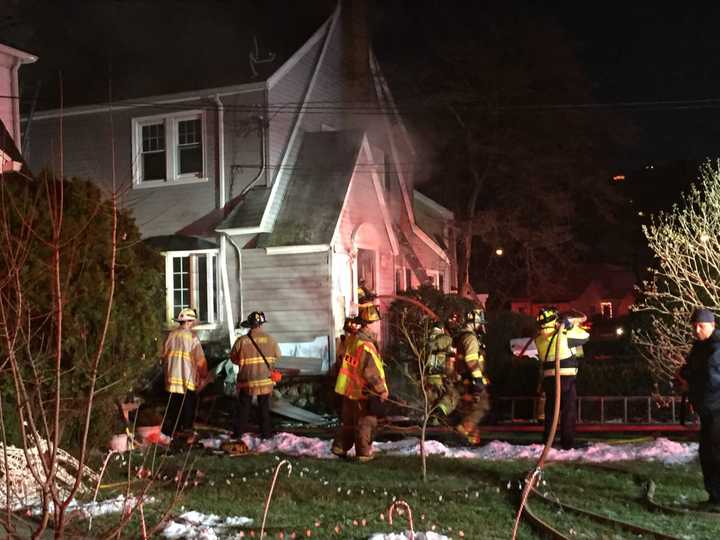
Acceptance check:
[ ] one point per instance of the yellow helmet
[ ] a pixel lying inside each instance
(186, 314)
(367, 310)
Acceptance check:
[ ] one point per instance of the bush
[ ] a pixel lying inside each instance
(30, 211)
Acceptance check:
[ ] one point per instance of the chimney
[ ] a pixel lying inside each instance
(355, 19)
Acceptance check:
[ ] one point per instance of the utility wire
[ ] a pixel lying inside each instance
(372, 108)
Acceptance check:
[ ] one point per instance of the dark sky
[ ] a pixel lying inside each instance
(632, 52)
(642, 55)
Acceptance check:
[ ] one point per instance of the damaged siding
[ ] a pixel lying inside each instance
(292, 289)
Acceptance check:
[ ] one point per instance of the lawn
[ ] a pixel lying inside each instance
(330, 498)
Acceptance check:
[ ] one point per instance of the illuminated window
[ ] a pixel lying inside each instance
(606, 310)
(169, 149)
(434, 276)
(190, 280)
(366, 268)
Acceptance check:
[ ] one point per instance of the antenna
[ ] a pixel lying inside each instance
(256, 59)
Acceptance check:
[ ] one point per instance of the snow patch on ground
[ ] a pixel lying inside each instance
(407, 536)
(660, 449)
(197, 526)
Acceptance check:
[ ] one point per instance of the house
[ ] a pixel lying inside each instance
(599, 290)
(10, 137)
(274, 182)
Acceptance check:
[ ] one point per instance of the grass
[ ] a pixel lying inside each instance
(339, 499)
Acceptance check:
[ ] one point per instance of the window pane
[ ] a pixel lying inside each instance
(190, 146)
(366, 268)
(215, 290)
(153, 137)
(181, 283)
(202, 287)
(189, 131)
(190, 160)
(153, 166)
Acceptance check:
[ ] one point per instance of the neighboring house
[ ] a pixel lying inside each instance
(10, 137)
(600, 290)
(278, 195)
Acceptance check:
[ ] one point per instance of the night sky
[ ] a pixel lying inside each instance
(660, 63)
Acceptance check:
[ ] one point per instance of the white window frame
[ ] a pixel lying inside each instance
(602, 311)
(213, 283)
(434, 276)
(171, 121)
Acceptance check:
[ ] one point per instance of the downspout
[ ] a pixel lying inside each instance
(221, 205)
(261, 171)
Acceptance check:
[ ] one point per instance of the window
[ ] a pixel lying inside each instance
(190, 279)
(408, 279)
(169, 149)
(606, 310)
(398, 280)
(434, 278)
(366, 269)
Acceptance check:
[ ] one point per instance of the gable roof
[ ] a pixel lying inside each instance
(122, 47)
(316, 189)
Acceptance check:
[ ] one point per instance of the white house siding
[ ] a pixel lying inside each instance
(284, 100)
(362, 219)
(243, 130)
(87, 152)
(7, 108)
(428, 258)
(325, 90)
(294, 292)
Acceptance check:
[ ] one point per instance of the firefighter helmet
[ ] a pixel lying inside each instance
(475, 317)
(367, 310)
(255, 319)
(186, 314)
(548, 316)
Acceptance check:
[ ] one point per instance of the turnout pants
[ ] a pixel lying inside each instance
(568, 409)
(357, 428)
(710, 453)
(242, 414)
(180, 413)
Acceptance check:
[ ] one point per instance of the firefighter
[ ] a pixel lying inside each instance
(255, 354)
(350, 328)
(186, 370)
(565, 335)
(440, 356)
(468, 370)
(361, 383)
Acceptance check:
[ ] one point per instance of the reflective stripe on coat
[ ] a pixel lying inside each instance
(253, 375)
(361, 369)
(183, 361)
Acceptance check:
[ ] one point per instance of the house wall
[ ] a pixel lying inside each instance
(361, 225)
(245, 156)
(294, 292)
(87, 142)
(7, 108)
(285, 98)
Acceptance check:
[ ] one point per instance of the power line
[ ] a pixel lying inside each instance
(374, 109)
